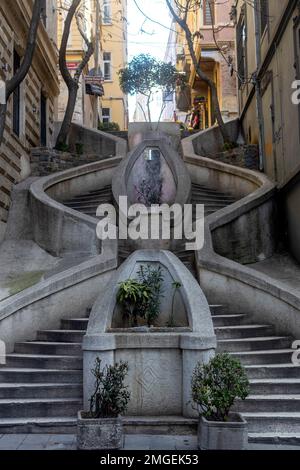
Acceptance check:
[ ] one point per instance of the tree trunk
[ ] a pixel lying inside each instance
(18, 78)
(66, 124)
(214, 95)
(71, 82)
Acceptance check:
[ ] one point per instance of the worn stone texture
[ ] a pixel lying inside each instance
(213, 435)
(99, 434)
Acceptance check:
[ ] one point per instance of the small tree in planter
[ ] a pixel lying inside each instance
(101, 427)
(215, 387)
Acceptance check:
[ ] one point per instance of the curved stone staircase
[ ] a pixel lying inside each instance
(41, 384)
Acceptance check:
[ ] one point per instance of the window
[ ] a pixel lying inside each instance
(242, 49)
(264, 14)
(106, 15)
(107, 65)
(105, 115)
(16, 98)
(208, 12)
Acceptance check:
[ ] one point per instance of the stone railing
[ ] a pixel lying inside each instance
(245, 233)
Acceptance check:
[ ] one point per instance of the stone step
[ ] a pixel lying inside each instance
(36, 425)
(266, 371)
(40, 390)
(43, 347)
(277, 356)
(160, 425)
(226, 320)
(75, 324)
(275, 386)
(212, 199)
(83, 207)
(43, 361)
(276, 438)
(272, 421)
(15, 375)
(255, 344)
(265, 403)
(42, 407)
(243, 331)
(218, 309)
(66, 336)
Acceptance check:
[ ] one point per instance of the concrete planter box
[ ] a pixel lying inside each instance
(97, 434)
(230, 435)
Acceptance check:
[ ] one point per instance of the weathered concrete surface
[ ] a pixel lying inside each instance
(229, 435)
(210, 141)
(93, 142)
(64, 295)
(57, 228)
(282, 267)
(97, 434)
(138, 131)
(160, 363)
(226, 281)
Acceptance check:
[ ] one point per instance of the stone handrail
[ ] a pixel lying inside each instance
(225, 280)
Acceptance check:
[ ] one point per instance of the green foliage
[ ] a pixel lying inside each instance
(108, 126)
(229, 146)
(152, 278)
(216, 385)
(141, 297)
(133, 295)
(62, 147)
(144, 74)
(79, 148)
(111, 396)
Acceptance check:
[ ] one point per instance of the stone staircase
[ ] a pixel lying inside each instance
(272, 408)
(41, 384)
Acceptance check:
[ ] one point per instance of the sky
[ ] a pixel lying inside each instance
(145, 36)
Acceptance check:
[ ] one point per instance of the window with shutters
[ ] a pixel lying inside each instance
(242, 49)
(208, 12)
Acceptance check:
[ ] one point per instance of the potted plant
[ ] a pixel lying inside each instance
(215, 387)
(101, 427)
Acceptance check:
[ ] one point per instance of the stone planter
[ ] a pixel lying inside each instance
(230, 435)
(97, 434)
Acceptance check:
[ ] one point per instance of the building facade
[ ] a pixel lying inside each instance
(114, 103)
(214, 45)
(87, 107)
(31, 109)
(268, 50)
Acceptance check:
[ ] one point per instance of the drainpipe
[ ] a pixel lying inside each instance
(259, 108)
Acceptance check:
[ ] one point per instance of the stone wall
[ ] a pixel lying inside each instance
(244, 156)
(45, 161)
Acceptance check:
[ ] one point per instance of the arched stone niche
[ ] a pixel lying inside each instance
(152, 162)
(161, 360)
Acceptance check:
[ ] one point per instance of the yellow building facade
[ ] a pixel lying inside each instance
(109, 16)
(31, 109)
(114, 103)
(86, 110)
(214, 46)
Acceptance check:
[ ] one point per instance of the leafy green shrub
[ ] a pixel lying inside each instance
(152, 278)
(79, 148)
(132, 296)
(141, 297)
(62, 147)
(216, 385)
(108, 126)
(229, 146)
(111, 396)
